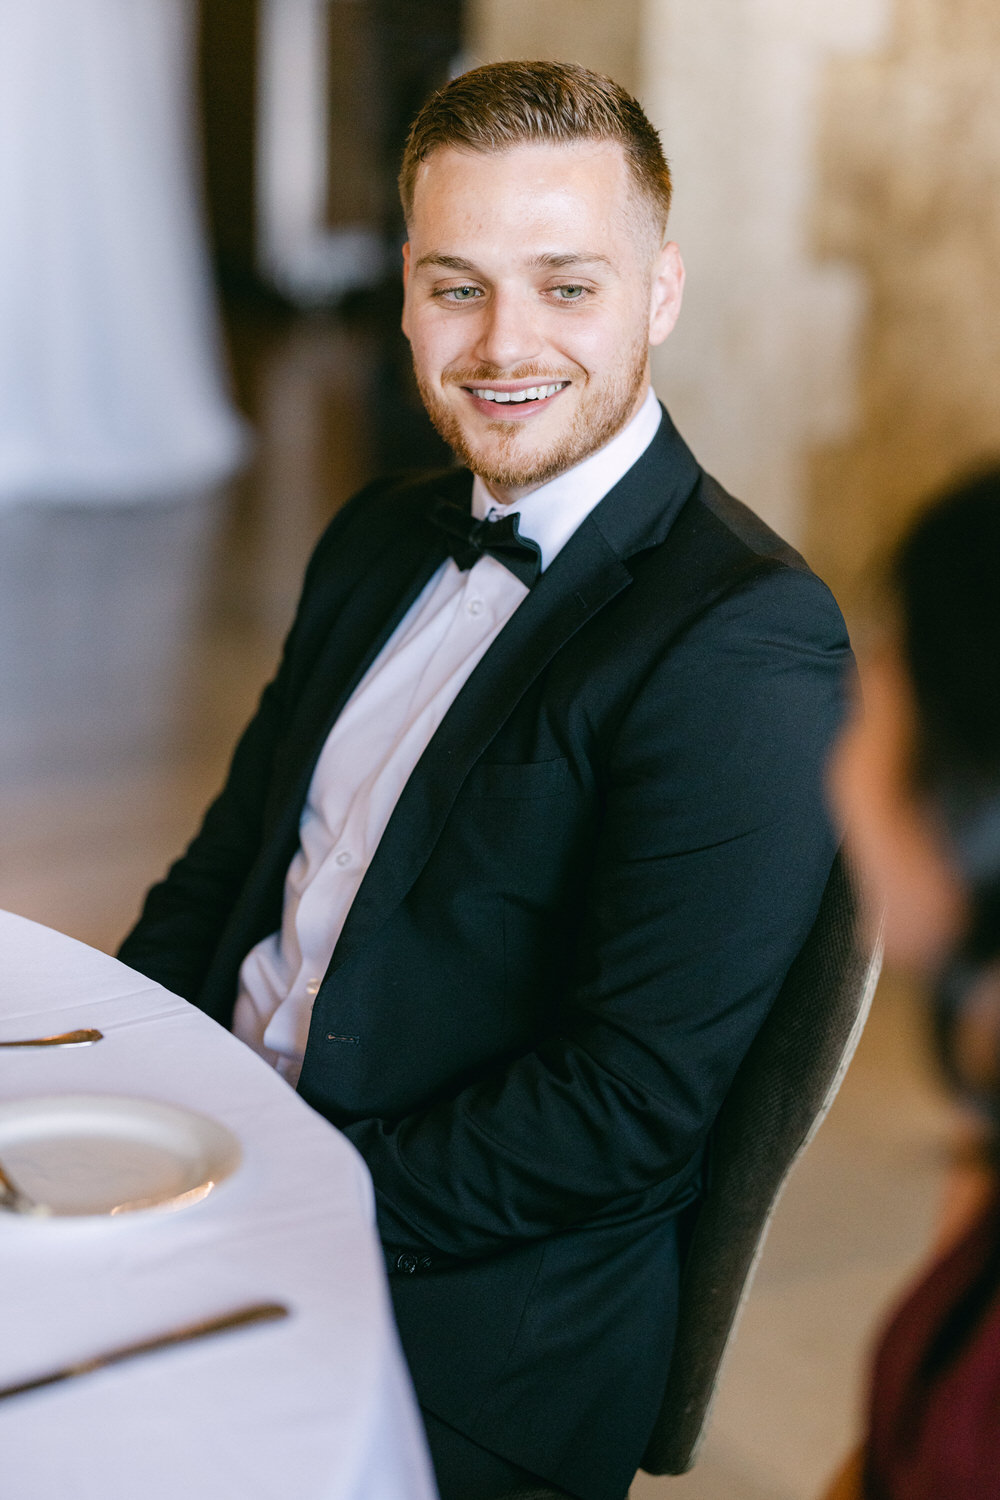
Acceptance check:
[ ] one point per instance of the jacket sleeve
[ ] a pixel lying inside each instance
(711, 858)
(185, 914)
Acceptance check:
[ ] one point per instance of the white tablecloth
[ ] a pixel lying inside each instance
(318, 1407)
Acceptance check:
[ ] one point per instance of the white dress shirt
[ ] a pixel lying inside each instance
(381, 734)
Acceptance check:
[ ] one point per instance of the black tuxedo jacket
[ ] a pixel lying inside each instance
(583, 904)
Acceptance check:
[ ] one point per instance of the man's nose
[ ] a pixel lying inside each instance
(509, 333)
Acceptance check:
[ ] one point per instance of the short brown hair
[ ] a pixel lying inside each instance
(507, 104)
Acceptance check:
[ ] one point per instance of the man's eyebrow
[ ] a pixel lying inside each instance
(446, 262)
(548, 261)
(559, 261)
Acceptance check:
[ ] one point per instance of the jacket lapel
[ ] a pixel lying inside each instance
(589, 571)
(391, 578)
(353, 619)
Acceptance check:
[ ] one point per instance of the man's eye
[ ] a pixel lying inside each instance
(460, 293)
(570, 293)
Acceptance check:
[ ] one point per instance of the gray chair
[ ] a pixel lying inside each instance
(783, 1088)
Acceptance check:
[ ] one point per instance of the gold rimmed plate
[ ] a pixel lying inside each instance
(103, 1155)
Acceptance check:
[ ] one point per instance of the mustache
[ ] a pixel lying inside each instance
(483, 374)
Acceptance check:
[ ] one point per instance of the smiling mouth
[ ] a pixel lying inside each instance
(519, 398)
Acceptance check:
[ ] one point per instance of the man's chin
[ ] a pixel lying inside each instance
(512, 471)
(509, 456)
(503, 456)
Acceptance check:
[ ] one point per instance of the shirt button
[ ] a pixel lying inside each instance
(475, 606)
(312, 988)
(343, 858)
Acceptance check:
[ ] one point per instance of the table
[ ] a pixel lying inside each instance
(318, 1407)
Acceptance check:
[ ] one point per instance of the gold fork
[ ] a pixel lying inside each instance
(16, 1201)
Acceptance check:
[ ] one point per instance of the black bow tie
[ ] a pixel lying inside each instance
(468, 540)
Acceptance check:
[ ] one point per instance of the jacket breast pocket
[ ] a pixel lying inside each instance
(520, 782)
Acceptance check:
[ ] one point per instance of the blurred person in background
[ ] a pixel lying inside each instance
(530, 825)
(916, 779)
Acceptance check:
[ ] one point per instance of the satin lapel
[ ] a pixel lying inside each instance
(578, 584)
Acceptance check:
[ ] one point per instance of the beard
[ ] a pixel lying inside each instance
(508, 457)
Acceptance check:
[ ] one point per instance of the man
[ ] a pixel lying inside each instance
(521, 843)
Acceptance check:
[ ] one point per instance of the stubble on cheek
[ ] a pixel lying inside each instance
(511, 457)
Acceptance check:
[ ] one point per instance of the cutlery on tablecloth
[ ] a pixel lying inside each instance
(64, 1039)
(257, 1312)
(16, 1201)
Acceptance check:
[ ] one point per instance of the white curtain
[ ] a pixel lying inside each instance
(111, 384)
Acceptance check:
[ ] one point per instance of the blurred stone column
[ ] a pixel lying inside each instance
(762, 364)
(908, 192)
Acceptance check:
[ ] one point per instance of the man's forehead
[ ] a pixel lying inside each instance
(566, 201)
(452, 167)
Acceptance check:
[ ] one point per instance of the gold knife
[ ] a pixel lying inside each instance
(83, 1038)
(258, 1312)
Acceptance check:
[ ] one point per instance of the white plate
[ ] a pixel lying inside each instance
(99, 1154)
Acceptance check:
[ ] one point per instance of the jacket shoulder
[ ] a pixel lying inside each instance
(744, 525)
(716, 552)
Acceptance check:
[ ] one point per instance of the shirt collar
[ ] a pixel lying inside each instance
(551, 514)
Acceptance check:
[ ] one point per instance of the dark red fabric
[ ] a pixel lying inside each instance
(935, 1402)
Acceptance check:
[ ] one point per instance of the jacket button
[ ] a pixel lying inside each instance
(407, 1262)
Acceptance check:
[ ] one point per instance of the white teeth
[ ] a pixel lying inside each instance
(533, 393)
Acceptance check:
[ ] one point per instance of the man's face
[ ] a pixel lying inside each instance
(534, 287)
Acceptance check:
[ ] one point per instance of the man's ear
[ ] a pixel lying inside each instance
(666, 293)
(406, 283)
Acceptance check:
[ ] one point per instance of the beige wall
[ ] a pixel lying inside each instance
(760, 366)
(837, 203)
(600, 34)
(908, 190)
